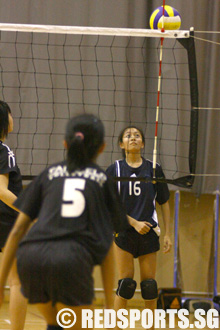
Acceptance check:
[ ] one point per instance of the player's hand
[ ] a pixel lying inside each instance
(167, 244)
(142, 227)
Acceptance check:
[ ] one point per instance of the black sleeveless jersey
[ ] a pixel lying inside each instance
(83, 205)
(140, 197)
(9, 166)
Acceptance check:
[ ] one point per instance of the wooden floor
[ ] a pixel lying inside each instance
(34, 321)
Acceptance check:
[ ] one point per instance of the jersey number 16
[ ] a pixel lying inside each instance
(134, 189)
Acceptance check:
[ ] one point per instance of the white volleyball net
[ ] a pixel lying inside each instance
(51, 73)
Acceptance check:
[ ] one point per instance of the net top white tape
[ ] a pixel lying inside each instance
(59, 29)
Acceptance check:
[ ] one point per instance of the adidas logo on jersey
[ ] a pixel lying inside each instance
(133, 175)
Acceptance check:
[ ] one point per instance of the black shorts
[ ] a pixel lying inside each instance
(137, 244)
(6, 225)
(56, 271)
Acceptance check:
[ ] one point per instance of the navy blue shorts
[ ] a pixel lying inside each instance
(6, 225)
(137, 244)
(56, 271)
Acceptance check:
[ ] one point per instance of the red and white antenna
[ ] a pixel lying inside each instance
(158, 96)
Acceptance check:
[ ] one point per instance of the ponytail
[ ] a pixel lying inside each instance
(76, 154)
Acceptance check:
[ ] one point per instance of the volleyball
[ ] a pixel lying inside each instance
(172, 19)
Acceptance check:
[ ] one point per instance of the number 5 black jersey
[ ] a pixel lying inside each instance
(140, 197)
(83, 206)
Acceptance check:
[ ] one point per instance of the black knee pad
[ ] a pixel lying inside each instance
(149, 289)
(126, 288)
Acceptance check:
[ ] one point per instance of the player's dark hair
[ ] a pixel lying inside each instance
(4, 122)
(120, 137)
(84, 136)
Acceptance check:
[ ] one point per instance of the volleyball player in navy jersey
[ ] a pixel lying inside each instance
(78, 209)
(141, 240)
(10, 187)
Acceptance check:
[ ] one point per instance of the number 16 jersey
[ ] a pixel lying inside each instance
(140, 197)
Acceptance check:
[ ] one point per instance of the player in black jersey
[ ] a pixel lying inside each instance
(78, 209)
(141, 240)
(10, 187)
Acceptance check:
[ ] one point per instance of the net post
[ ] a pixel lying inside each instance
(216, 228)
(176, 234)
